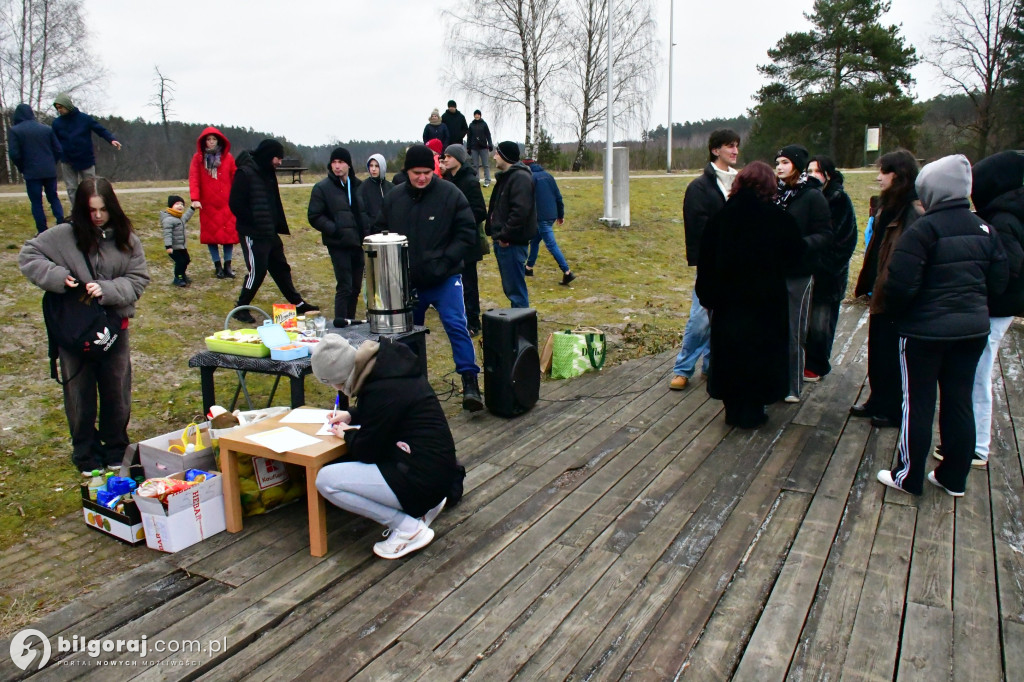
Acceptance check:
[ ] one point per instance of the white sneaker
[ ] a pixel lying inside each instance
(398, 544)
(934, 481)
(429, 517)
(791, 398)
(884, 477)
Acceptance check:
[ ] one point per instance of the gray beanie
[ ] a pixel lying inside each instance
(333, 360)
(458, 152)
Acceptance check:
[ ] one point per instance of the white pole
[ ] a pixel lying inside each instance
(671, 47)
(611, 123)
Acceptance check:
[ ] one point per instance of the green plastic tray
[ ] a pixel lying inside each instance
(249, 350)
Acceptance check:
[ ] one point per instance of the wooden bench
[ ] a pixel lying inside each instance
(293, 166)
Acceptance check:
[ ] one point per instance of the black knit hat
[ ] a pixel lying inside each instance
(477, 112)
(173, 199)
(267, 150)
(797, 154)
(452, 103)
(341, 154)
(509, 151)
(418, 156)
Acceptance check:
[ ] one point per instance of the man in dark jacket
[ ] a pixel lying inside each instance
(334, 212)
(74, 129)
(436, 218)
(550, 210)
(942, 272)
(259, 215)
(456, 123)
(35, 151)
(705, 196)
(480, 146)
(512, 221)
(460, 173)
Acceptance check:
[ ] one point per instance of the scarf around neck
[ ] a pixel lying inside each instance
(787, 192)
(212, 160)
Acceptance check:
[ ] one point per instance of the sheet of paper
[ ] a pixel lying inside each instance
(283, 439)
(306, 415)
(325, 430)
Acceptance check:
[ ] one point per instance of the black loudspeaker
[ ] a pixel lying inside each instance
(511, 361)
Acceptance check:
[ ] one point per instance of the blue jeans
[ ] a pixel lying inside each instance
(447, 300)
(547, 233)
(511, 263)
(228, 251)
(696, 341)
(35, 189)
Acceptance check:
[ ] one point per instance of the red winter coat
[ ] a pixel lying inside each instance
(216, 221)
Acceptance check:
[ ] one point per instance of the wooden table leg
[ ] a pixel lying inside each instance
(317, 514)
(232, 492)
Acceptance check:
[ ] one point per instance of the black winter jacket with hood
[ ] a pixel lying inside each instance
(703, 199)
(438, 222)
(456, 124)
(809, 208)
(468, 183)
(330, 212)
(833, 270)
(479, 136)
(947, 263)
(512, 212)
(255, 198)
(998, 196)
(32, 146)
(396, 403)
(372, 191)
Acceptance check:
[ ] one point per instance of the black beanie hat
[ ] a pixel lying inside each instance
(266, 151)
(797, 154)
(341, 154)
(418, 156)
(173, 199)
(477, 112)
(452, 103)
(996, 175)
(509, 151)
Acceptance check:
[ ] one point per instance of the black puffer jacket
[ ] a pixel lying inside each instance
(999, 199)
(810, 210)
(333, 216)
(371, 196)
(456, 124)
(833, 270)
(512, 213)
(396, 403)
(479, 136)
(703, 199)
(256, 201)
(438, 222)
(468, 183)
(946, 264)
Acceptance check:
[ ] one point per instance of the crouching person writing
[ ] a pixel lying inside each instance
(401, 454)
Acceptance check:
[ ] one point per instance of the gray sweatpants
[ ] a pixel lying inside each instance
(73, 178)
(361, 489)
(799, 315)
(481, 158)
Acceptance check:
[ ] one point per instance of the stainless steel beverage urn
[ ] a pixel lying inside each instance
(388, 294)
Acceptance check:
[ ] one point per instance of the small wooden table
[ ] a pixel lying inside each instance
(312, 457)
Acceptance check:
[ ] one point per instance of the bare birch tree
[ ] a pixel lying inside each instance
(162, 99)
(585, 78)
(972, 56)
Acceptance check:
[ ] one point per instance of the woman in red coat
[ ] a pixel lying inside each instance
(209, 180)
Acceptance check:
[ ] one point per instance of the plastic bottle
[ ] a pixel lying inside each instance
(96, 483)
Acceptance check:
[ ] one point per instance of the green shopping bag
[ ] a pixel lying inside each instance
(576, 351)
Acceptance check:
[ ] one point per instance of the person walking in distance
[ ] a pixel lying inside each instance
(705, 196)
(550, 210)
(480, 146)
(210, 176)
(35, 151)
(74, 130)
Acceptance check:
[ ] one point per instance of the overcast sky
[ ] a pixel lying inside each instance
(315, 71)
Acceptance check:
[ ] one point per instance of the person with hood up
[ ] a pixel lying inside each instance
(512, 221)
(74, 129)
(550, 210)
(833, 270)
(801, 196)
(255, 200)
(438, 222)
(334, 212)
(436, 130)
(35, 151)
(209, 184)
(480, 146)
(942, 272)
(372, 190)
(998, 195)
(461, 174)
(453, 119)
(400, 464)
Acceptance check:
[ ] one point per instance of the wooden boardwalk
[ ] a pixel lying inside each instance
(617, 531)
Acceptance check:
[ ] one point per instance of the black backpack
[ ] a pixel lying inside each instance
(76, 322)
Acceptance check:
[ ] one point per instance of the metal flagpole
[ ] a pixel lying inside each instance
(671, 47)
(608, 217)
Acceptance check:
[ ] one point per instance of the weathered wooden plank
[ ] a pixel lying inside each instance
(400, 663)
(931, 566)
(715, 655)
(1006, 481)
(846, 354)
(926, 648)
(1013, 650)
(874, 642)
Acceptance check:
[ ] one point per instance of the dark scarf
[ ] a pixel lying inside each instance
(787, 193)
(212, 159)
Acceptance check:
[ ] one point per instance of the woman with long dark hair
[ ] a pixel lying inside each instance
(97, 250)
(898, 208)
(747, 251)
(832, 271)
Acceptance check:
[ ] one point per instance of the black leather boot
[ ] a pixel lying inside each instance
(218, 270)
(471, 399)
(228, 272)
